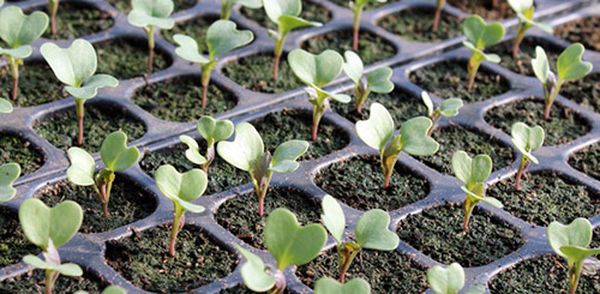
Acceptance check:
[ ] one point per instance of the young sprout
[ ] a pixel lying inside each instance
(328, 285)
(371, 232)
(525, 10)
(284, 13)
(18, 31)
(116, 158)
(357, 7)
(221, 37)
(377, 81)
(290, 244)
(182, 189)
(450, 280)
(49, 229)
(448, 108)
(247, 152)
(316, 71)
(526, 139)
(213, 131)
(9, 173)
(572, 243)
(480, 35)
(53, 9)
(569, 66)
(378, 132)
(75, 66)
(473, 172)
(227, 5)
(151, 14)
(439, 5)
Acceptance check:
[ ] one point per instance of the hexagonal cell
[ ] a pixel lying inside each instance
(587, 161)
(13, 244)
(585, 91)
(179, 99)
(144, 261)
(16, 149)
(488, 9)
(402, 106)
(522, 63)
(546, 197)
(75, 20)
(455, 138)
(358, 182)
(239, 215)
(254, 73)
(127, 58)
(563, 126)
(583, 30)
(37, 85)
(33, 282)
(386, 271)
(371, 47)
(448, 79)
(417, 25)
(125, 6)
(438, 232)
(539, 275)
(310, 11)
(129, 202)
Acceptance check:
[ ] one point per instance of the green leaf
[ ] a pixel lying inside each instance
(471, 170)
(540, 65)
(193, 151)
(570, 67)
(223, 36)
(450, 107)
(188, 49)
(372, 231)
(9, 173)
(378, 129)
(288, 23)
(577, 253)
(67, 269)
(83, 166)
(520, 6)
(493, 58)
(289, 242)
(214, 129)
(333, 218)
(527, 139)
(253, 4)
(328, 285)
(428, 103)
(182, 188)
(277, 8)
(18, 29)
(89, 89)
(353, 67)
(577, 233)
(316, 70)
(156, 13)
(72, 65)
(245, 149)
(5, 106)
(19, 52)
(448, 280)
(114, 290)
(254, 272)
(482, 34)
(286, 154)
(115, 154)
(414, 138)
(379, 80)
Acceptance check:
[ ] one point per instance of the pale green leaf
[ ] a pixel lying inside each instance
(9, 173)
(21, 52)
(569, 66)
(245, 149)
(379, 80)
(41, 223)
(353, 67)
(18, 29)
(115, 154)
(372, 231)
(333, 218)
(540, 65)
(214, 129)
(89, 89)
(318, 70)
(277, 8)
(188, 49)
(5, 106)
(72, 65)
(328, 285)
(254, 272)
(577, 233)
(187, 186)
(156, 13)
(223, 36)
(450, 107)
(83, 166)
(378, 129)
(449, 280)
(288, 23)
(414, 138)
(288, 152)
(193, 151)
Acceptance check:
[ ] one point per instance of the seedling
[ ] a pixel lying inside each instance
(182, 189)
(18, 31)
(473, 172)
(450, 280)
(357, 7)
(526, 139)
(328, 285)
(49, 229)
(9, 173)
(316, 71)
(213, 131)
(5, 106)
(371, 232)
(75, 66)
(221, 37)
(439, 5)
(290, 244)
(378, 132)
(285, 14)
(525, 10)
(377, 81)
(448, 108)
(572, 242)
(247, 152)
(150, 15)
(569, 66)
(53, 9)
(227, 5)
(480, 35)
(116, 158)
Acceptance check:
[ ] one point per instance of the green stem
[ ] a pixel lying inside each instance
(435, 118)
(521, 30)
(520, 172)
(150, 64)
(468, 207)
(318, 112)
(550, 97)
(14, 69)
(472, 68)
(51, 277)
(226, 9)
(104, 184)
(277, 54)
(261, 186)
(176, 227)
(356, 27)
(574, 275)
(80, 113)
(362, 94)
(438, 14)
(53, 9)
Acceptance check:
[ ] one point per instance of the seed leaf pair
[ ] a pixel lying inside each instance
(213, 131)
(526, 139)
(9, 173)
(450, 280)
(525, 10)
(227, 5)
(480, 35)
(377, 81)
(328, 285)
(448, 108)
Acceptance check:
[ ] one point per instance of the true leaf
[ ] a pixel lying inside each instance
(569, 66)
(182, 188)
(156, 13)
(372, 231)
(254, 272)
(414, 137)
(222, 36)
(333, 218)
(448, 280)
(328, 285)
(245, 149)
(378, 129)
(115, 154)
(83, 166)
(9, 173)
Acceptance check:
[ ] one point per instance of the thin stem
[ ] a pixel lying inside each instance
(551, 96)
(225, 9)
(53, 9)
(14, 69)
(261, 186)
(472, 68)
(362, 93)
(51, 277)
(522, 166)
(521, 30)
(438, 14)
(318, 112)
(277, 54)
(347, 254)
(434, 119)
(356, 27)
(206, 70)
(210, 156)
(574, 275)
(150, 65)
(468, 207)
(178, 221)
(80, 113)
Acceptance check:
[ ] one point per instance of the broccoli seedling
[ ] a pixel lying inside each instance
(378, 132)
(473, 172)
(221, 38)
(328, 285)
(525, 10)
(572, 242)
(448, 108)
(450, 280)
(150, 15)
(53, 9)
(285, 14)
(526, 139)
(569, 66)
(227, 5)
(116, 158)
(247, 152)
(439, 5)
(75, 66)
(316, 71)
(290, 244)
(19, 31)
(480, 35)
(182, 189)
(377, 81)
(371, 232)
(49, 229)
(357, 7)
(213, 131)
(9, 173)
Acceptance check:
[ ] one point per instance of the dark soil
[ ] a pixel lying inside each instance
(60, 128)
(386, 271)
(239, 215)
(180, 99)
(358, 182)
(448, 79)
(128, 203)
(417, 25)
(15, 149)
(76, 20)
(401, 105)
(371, 47)
(195, 28)
(13, 244)
(587, 161)
(484, 8)
(585, 31)
(126, 59)
(546, 274)
(564, 124)
(545, 198)
(255, 73)
(125, 6)
(522, 64)
(143, 260)
(33, 282)
(586, 91)
(37, 85)
(310, 11)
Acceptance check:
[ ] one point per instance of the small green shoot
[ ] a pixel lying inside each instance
(378, 132)
(377, 81)
(247, 152)
(328, 285)
(227, 5)
(572, 242)
(9, 173)
(75, 66)
(449, 280)
(526, 139)
(116, 157)
(569, 66)
(221, 38)
(5, 106)
(525, 10)
(53, 9)
(439, 6)
(213, 131)
(448, 108)
(316, 71)
(480, 35)
(357, 7)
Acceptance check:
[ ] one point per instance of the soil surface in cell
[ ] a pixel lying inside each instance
(21, 151)
(125, 6)
(401, 105)
(74, 20)
(255, 73)
(585, 91)
(522, 63)
(587, 161)
(417, 25)
(485, 8)
(370, 47)
(585, 31)
(310, 12)
(37, 85)
(126, 59)
(13, 244)
(33, 282)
